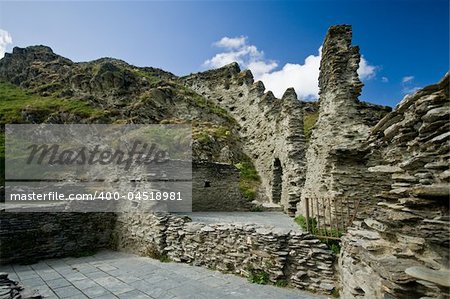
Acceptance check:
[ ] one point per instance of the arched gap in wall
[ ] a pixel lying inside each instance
(277, 181)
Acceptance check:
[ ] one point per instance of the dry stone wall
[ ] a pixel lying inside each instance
(402, 249)
(293, 256)
(271, 129)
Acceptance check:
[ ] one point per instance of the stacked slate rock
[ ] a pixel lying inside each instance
(402, 249)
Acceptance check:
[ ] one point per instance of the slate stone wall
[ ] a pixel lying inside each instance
(29, 237)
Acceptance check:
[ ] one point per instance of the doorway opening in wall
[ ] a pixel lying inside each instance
(277, 181)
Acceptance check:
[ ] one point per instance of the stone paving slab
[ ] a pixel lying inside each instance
(118, 275)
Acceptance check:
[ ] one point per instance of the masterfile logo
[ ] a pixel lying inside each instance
(98, 167)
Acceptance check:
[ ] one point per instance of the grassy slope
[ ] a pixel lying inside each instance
(14, 100)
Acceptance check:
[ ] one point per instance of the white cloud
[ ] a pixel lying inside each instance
(408, 85)
(232, 42)
(302, 77)
(238, 50)
(384, 79)
(259, 68)
(5, 39)
(407, 79)
(365, 70)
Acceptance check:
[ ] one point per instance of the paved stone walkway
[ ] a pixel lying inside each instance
(111, 274)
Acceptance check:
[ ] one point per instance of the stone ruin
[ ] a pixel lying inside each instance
(334, 176)
(381, 177)
(271, 129)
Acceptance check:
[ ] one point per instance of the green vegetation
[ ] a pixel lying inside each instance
(281, 283)
(165, 258)
(309, 120)
(321, 233)
(202, 102)
(301, 220)
(335, 293)
(249, 179)
(256, 208)
(151, 79)
(258, 277)
(206, 133)
(153, 252)
(16, 100)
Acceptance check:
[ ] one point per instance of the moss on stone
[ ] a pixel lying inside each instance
(309, 120)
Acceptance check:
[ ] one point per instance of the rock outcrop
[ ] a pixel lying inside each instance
(401, 250)
(49, 88)
(125, 93)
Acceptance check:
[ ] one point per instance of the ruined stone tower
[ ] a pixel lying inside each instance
(333, 168)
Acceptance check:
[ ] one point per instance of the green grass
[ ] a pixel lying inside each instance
(14, 100)
(335, 293)
(151, 79)
(281, 283)
(258, 277)
(333, 245)
(309, 120)
(208, 135)
(153, 252)
(249, 179)
(301, 220)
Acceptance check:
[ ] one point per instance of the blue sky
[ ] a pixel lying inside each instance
(406, 42)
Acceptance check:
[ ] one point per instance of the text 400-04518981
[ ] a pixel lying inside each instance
(140, 195)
